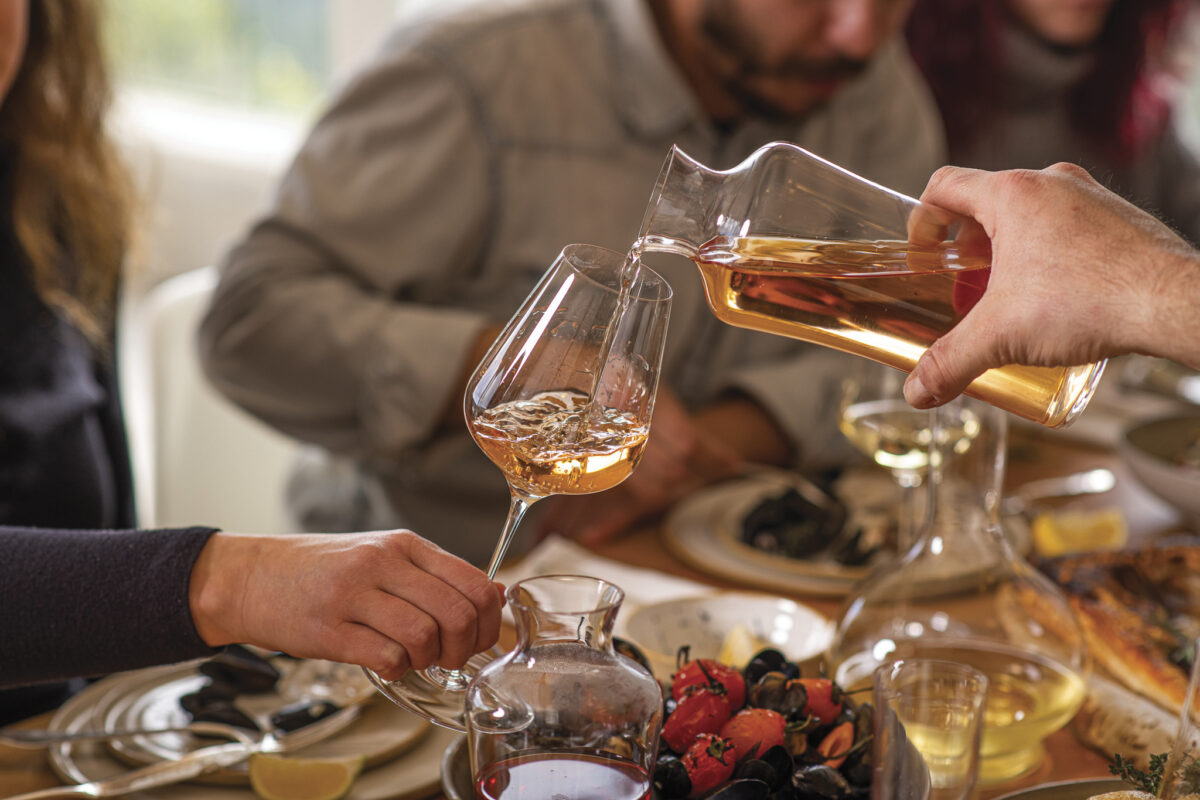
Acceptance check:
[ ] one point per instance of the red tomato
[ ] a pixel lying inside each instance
(699, 711)
(709, 762)
(754, 731)
(704, 671)
(824, 698)
(836, 744)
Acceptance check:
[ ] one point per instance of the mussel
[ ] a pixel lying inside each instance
(670, 778)
(740, 789)
(297, 715)
(242, 669)
(821, 781)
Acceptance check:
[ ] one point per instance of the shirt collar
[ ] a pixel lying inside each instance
(651, 95)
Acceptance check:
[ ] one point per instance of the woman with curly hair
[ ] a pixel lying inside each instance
(1028, 83)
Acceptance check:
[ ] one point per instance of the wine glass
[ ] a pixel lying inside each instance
(879, 422)
(561, 404)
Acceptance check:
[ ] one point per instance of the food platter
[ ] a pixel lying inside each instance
(1068, 790)
(703, 532)
(402, 751)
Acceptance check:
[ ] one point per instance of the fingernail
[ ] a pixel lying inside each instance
(916, 394)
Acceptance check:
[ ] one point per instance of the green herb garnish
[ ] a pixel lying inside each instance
(1146, 780)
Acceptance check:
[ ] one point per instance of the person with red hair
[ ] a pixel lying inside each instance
(1028, 83)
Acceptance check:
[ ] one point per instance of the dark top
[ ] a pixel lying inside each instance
(91, 602)
(73, 603)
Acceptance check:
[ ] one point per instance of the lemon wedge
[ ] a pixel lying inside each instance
(739, 646)
(1056, 534)
(275, 777)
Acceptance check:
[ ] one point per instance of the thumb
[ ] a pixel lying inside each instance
(951, 363)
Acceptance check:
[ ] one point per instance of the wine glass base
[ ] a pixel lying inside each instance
(440, 703)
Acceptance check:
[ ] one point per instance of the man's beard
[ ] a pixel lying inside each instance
(724, 31)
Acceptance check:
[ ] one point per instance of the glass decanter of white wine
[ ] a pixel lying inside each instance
(962, 594)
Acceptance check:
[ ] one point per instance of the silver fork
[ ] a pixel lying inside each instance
(37, 738)
(205, 760)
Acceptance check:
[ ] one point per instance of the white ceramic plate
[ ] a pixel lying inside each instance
(699, 531)
(702, 623)
(703, 531)
(1154, 449)
(1068, 790)
(403, 751)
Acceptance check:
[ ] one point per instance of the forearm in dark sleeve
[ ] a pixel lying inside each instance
(81, 603)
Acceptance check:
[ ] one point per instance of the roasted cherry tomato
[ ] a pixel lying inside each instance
(709, 762)
(705, 671)
(837, 744)
(824, 698)
(699, 711)
(754, 731)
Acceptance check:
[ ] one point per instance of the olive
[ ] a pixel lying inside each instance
(821, 781)
(671, 778)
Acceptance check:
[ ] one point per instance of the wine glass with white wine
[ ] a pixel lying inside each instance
(879, 422)
(561, 404)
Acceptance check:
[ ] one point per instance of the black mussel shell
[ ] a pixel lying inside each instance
(790, 669)
(791, 525)
(631, 651)
(793, 701)
(768, 691)
(779, 760)
(214, 691)
(297, 715)
(222, 711)
(758, 769)
(772, 658)
(242, 669)
(740, 789)
(821, 781)
(670, 778)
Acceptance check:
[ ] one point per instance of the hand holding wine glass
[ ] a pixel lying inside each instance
(561, 404)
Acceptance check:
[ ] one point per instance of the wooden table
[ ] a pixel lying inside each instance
(1030, 457)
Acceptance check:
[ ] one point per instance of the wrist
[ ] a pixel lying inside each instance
(213, 590)
(1170, 331)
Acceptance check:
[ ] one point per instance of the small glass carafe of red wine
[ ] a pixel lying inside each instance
(563, 714)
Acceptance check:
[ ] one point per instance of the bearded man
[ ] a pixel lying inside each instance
(446, 176)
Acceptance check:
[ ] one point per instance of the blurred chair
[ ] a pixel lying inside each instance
(197, 458)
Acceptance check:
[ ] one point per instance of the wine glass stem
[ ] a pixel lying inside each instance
(519, 502)
(907, 526)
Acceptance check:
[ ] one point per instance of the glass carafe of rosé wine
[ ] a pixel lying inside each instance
(791, 244)
(563, 714)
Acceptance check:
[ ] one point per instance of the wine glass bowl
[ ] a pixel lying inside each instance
(561, 404)
(876, 419)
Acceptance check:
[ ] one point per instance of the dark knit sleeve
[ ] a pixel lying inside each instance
(83, 603)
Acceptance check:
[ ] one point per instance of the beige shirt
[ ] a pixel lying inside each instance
(439, 186)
